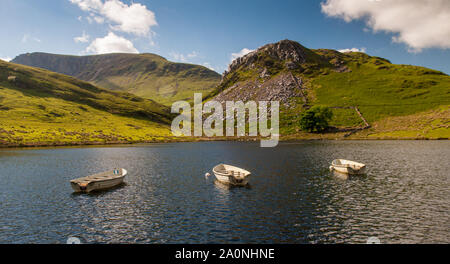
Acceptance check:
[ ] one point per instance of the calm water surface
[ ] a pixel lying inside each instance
(293, 198)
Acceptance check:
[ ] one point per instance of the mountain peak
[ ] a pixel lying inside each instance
(285, 50)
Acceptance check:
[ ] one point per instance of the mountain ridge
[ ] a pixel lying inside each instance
(147, 75)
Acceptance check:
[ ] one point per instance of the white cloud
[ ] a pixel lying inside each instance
(82, 39)
(193, 54)
(241, 53)
(93, 18)
(7, 59)
(179, 57)
(27, 37)
(176, 56)
(417, 23)
(111, 44)
(208, 65)
(134, 19)
(352, 50)
(90, 20)
(88, 5)
(99, 20)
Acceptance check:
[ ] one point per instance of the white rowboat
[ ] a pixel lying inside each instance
(101, 181)
(348, 166)
(231, 175)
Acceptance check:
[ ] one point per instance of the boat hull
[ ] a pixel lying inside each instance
(232, 175)
(101, 181)
(347, 170)
(231, 180)
(97, 186)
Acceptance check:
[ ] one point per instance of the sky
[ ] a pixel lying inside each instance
(213, 32)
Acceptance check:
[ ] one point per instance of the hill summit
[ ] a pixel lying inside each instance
(269, 73)
(286, 50)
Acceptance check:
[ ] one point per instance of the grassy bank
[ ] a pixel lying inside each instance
(432, 125)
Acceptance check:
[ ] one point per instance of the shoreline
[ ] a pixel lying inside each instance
(193, 140)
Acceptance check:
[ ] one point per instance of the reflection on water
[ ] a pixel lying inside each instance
(340, 175)
(228, 187)
(294, 198)
(223, 187)
(102, 191)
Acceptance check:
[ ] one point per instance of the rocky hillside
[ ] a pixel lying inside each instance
(272, 73)
(39, 107)
(146, 75)
(353, 84)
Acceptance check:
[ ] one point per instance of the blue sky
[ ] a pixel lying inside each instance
(209, 32)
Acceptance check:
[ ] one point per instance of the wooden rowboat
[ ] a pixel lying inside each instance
(231, 175)
(348, 166)
(100, 181)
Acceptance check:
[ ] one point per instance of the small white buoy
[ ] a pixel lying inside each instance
(207, 175)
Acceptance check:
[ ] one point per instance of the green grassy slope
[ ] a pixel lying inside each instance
(377, 87)
(39, 107)
(381, 90)
(146, 75)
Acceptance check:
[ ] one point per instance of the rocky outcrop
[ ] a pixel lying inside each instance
(281, 88)
(291, 52)
(271, 67)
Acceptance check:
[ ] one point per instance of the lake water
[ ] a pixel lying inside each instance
(293, 197)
